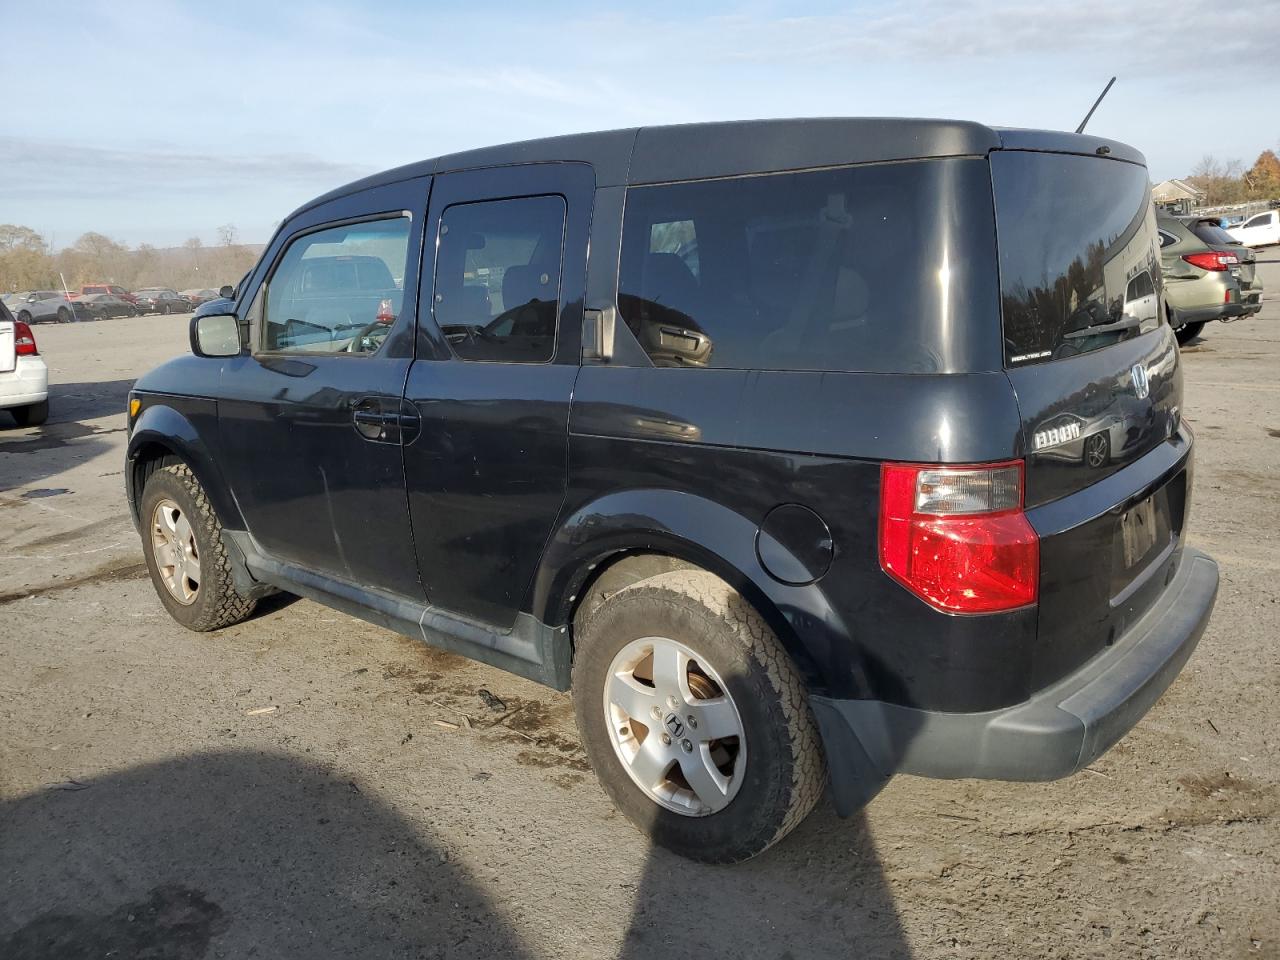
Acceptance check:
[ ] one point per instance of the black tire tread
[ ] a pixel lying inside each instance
(744, 623)
(228, 606)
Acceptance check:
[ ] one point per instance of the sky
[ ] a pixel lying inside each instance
(156, 120)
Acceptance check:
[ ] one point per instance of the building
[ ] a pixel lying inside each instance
(1173, 191)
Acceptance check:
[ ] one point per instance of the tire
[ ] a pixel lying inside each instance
(214, 603)
(165, 310)
(64, 315)
(31, 415)
(1189, 331)
(782, 773)
(24, 316)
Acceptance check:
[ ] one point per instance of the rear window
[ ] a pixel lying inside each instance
(1075, 233)
(879, 268)
(1210, 232)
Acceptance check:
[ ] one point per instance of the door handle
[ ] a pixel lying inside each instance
(374, 421)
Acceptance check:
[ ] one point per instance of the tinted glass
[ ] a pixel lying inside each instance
(498, 278)
(337, 290)
(1259, 221)
(885, 268)
(1073, 232)
(1210, 232)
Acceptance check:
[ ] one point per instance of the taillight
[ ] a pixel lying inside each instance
(1211, 260)
(24, 341)
(957, 537)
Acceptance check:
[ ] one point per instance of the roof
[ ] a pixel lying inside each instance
(695, 151)
(1175, 186)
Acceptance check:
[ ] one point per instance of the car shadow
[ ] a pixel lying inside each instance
(234, 855)
(31, 455)
(241, 854)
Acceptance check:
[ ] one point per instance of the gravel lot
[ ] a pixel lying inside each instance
(305, 785)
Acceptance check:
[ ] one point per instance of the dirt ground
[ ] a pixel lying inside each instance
(305, 785)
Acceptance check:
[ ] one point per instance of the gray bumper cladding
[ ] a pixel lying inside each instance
(1052, 735)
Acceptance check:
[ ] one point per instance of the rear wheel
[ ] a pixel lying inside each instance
(31, 415)
(694, 717)
(188, 562)
(1189, 331)
(64, 315)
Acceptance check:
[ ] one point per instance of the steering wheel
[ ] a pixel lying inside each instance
(364, 332)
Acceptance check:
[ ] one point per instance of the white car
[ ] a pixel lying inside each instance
(24, 378)
(1258, 231)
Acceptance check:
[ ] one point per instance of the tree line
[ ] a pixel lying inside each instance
(28, 263)
(1227, 181)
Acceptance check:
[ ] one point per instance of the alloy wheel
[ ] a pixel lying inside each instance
(674, 726)
(173, 545)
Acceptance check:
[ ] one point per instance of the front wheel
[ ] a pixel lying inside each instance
(1189, 331)
(24, 316)
(695, 719)
(187, 560)
(64, 315)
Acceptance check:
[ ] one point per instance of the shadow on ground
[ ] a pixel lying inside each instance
(248, 854)
(31, 455)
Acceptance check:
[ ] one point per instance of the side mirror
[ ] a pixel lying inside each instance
(215, 335)
(227, 292)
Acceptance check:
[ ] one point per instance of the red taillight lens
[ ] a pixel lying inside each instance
(1211, 260)
(24, 340)
(957, 536)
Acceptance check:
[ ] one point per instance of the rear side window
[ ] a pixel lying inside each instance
(1073, 233)
(337, 290)
(881, 268)
(498, 278)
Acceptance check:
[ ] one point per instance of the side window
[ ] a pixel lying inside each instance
(804, 271)
(1259, 221)
(1167, 239)
(498, 278)
(337, 290)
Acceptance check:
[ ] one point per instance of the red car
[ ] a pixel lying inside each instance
(112, 288)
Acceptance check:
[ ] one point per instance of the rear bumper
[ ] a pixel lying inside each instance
(27, 383)
(1056, 732)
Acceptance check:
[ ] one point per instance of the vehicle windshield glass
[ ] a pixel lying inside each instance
(1079, 260)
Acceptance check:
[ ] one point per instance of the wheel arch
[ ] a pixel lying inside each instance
(164, 435)
(683, 530)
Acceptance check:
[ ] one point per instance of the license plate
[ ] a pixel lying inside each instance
(1139, 532)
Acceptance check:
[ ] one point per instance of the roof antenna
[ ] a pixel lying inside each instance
(1087, 116)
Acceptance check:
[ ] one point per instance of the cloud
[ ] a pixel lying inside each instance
(37, 168)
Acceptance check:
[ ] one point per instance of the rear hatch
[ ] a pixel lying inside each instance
(8, 357)
(1099, 387)
(1215, 238)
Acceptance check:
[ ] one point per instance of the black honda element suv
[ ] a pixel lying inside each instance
(802, 450)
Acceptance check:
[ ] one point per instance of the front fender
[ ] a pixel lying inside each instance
(715, 538)
(180, 426)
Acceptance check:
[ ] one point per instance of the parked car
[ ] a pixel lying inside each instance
(92, 289)
(1260, 230)
(104, 306)
(24, 378)
(41, 306)
(789, 503)
(225, 301)
(162, 300)
(1207, 275)
(200, 296)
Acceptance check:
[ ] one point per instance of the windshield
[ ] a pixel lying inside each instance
(1079, 262)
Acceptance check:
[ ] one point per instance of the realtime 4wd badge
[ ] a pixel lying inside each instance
(1054, 436)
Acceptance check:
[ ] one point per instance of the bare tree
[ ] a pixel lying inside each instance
(228, 235)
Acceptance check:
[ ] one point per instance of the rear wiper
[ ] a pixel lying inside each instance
(1127, 321)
